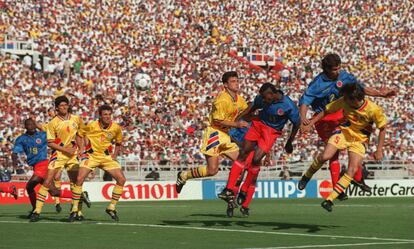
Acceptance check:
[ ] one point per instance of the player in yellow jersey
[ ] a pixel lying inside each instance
(99, 136)
(359, 116)
(58, 176)
(216, 141)
(64, 140)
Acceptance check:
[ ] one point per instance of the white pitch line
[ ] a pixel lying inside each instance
(334, 245)
(221, 230)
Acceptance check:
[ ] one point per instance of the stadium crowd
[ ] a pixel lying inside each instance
(159, 63)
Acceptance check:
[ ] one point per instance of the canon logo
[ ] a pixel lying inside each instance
(143, 191)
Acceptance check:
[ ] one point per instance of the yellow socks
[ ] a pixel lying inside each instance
(116, 194)
(198, 172)
(340, 187)
(58, 185)
(315, 166)
(76, 195)
(40, 198)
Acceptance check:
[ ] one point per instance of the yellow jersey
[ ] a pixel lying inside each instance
(101, 139)
(358, 122)
(63, 131)
(225, 108)
(44, 127)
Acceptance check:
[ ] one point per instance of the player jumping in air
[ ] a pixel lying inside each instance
(360, 114)
(247, 189)
(216, 141)
(324, 89)
(275, 110)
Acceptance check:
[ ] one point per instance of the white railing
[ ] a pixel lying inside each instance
(154, 170)
(139, 170)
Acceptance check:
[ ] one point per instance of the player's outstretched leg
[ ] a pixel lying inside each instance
(339, 188)
(327, 154)
(315, 166)
(335, 170)
(10, 190)
(359, 181)
(193, 173)
(14, 192)
(180, 182)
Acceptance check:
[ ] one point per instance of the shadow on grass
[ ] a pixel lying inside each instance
(53, 217)
(243, 222)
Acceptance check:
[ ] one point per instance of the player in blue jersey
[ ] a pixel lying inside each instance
(247, 189)
(276, 109)
(33, 143)
(325, 88)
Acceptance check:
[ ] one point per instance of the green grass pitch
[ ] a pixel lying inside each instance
(278, 223)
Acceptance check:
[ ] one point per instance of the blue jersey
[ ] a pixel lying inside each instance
(321, 91)
(278, 113)
(237, 134)
(35, 147)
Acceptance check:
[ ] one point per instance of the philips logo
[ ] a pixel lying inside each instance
(219, 186)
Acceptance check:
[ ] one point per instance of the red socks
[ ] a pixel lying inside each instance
(335, 169)
(235, 172)
(358, 174)
(249, 196)
(249, 185)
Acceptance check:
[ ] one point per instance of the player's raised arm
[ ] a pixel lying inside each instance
(385, 93)
(17, 149)
(303, 110)
(305, 101)
(330, 108)
(295, 119)
(247, 113)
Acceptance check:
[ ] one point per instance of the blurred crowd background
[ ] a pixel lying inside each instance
(159, 64)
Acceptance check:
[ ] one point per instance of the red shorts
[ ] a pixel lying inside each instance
(326, 126)
(40, 169)
(264, 135)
